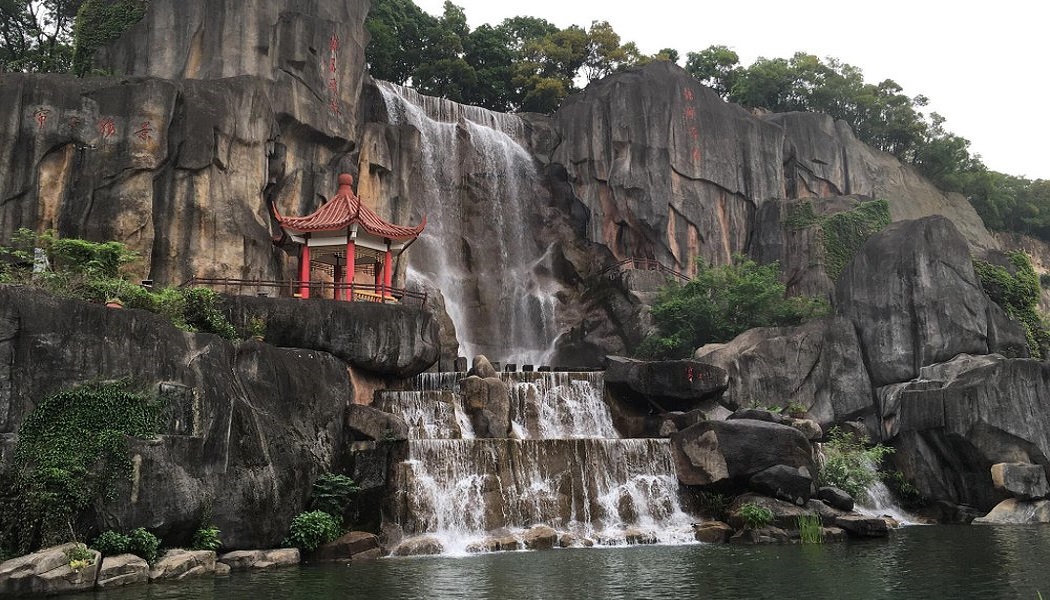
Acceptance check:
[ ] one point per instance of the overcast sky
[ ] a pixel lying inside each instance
(982, 64)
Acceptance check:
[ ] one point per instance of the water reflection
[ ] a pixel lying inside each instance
(919, 562)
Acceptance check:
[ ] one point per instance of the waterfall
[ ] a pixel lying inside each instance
(567, 469)
(477, 185)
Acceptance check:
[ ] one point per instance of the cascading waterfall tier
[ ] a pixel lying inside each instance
(567, 469)
(477, 184)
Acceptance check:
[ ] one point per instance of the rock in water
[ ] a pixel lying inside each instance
(1024, 481)
(125, 569)
(1017, 512)
(47, 572)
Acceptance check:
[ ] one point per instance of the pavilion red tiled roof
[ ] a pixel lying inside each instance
(344, 210)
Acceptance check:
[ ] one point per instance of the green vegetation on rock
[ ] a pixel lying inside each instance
(720, 303)
(206, 538)
(100, 22)
(92, 271)
(1017, 290)
(311, 529)
(810, 529)
(755, 516)
(71, 452)
(849, 463)
(842, 234)
(333, 493)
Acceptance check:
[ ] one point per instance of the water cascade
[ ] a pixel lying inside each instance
(566, 468)
(477, 185)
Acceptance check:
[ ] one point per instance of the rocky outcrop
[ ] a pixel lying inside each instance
(540, 537)
(419, 546)
(1022, 481)
(387, 339)
(121, 570)
(1017, 512)
(960, 418)
(794, 484)
(183, 564)
(712, 532)
(912, 295)
(367, 423)
(674, 385)
(818, 365)
(785, 514)
(260, 560)
(47, 572)
(247, 427)
(354, 546)
(726, 454)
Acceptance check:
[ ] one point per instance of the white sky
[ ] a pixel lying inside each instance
(983, 65)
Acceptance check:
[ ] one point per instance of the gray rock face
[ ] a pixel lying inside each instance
(1023, 481)
(248, 429)
(725, 454)
(387, 339)
(818, 365)
(915, 301)
(794, 484)
(367, 423)
(835, 498)
(956, 423)
(125, 569)
(664, 168)
(47, 572)
(675, 385)
(823, 158)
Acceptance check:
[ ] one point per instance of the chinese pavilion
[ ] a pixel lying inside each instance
(349, 240)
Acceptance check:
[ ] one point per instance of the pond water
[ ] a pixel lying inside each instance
(985, 562)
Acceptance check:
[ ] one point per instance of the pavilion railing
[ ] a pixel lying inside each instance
(326, 290)
(642, 264)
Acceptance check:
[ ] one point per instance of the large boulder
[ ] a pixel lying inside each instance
(367, 423)
(183, 564)
(785, 514)
(726, 454)
(1023, 481)
(673, 385)
(246, 430)
(47, 572)
(121, 570)
(1017, 512)
(818, 365)
(794, 484)
(353, 546)
(913, 297)
(960, 418)
(400, 340)
(260, 560)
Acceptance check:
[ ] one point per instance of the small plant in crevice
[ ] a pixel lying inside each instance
(713, 504)
(333, 493)
(312, 529)
(755, 516)
(849, 463)
(908, 495)
(810, 529)
(79, 557)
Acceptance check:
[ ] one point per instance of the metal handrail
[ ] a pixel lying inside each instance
(359, 292)
(642, 264)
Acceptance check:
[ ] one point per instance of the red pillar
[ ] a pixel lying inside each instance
(388, 272)
(304, 269)
(351, 259)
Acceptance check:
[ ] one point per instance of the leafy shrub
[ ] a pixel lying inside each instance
(207, 538)
(755, 516)
(810, 529)
(1017, 292)
(111, 543)
(332, 494)
(721, 303)
(143, 544)
(311, 529)
(908, 494)
(79, 557)
(849, 464)
(71, 450)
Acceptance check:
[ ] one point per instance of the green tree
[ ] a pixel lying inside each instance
(398, 29)
(720, 303)
(489, 51)
(717, 67)
(37, 35)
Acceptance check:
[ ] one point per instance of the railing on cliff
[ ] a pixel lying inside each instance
(642, 264)
(289, 288)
